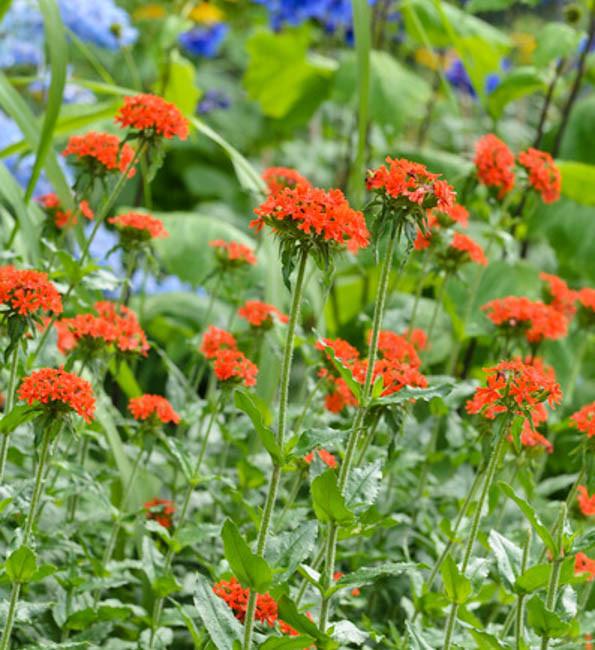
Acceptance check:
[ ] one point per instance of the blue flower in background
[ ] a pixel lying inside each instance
(213, 100)
(73, 93)
(21, 35)
(457, 76)
(492, 82)
(204, 41)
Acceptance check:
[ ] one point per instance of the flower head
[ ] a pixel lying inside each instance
(58, 391)
(397, 374)
(216, 339)
(471, 250)
(543, 174)
(232, 254)
(234, 367)
(137, 227)
(101, 153)
(397, 348)
(27, 293)
(325, 456)
(152, 407)
(236, 597)
(160, 510)
(339, 395)
(418, 337)
(343, 351)
(152, 116)
(130, 335)
(90, 331)
(261, 314)
(61, 217)
(586, 302)
(558, 294)
(278, 178)
(584, 564)
(584, 419)
(495, 164)
(586, 502)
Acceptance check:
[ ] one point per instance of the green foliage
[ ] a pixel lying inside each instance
(251, 570)
(329, 504)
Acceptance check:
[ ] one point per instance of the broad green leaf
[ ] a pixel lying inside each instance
(555, 41)
(363, 486)
(287, 643)
(543, 621)
(287, 550)
(519, 83)
(480, 6)
(223, 627)
(457, 586)
(508, 556)
(21, 565)
(368, 575)
(349, 634)
(18, 415)
(578, 181)
(538, 576)
(486, 641)
(258, 414)
(180, 88)
(328, 502)
(418, 642)
(289, 613)
(251, 570)
(177, 449)
(314, 438)
(407, 393)
(197, 637)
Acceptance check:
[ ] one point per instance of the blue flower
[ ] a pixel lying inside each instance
(204, 41)
(457, 76)
(73, 93)
(213, 100)
(492, 82)
(21, 35)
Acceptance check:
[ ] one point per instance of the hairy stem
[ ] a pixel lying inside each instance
(10, 391)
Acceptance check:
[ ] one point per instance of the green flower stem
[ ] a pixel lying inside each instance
(265, 521)
(489, 479)
(31, 518)
(10, 392)
(520, 608)
(552, 588)
(358, 425)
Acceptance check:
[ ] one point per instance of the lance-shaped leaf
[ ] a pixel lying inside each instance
(457, 586)
(329, 503)
(407, 393)
(289, 549)
(21, 565)
(18, 415)
(368, 575)
(363, 486)
(248, 404)
(251, 570)
(545, 622)
(508, 556)
(223, 627)
(313, 438)
(289, 613)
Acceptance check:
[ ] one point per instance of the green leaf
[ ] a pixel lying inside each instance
(578, 181)
(251, 570)
(177, 449)
(180, 88)
(457, 586)
(197, 637)
(249, 405)
(223, 627)
(555, 41)
(363, 486)
(21, 565)
(543, 621)
(538, 576)
(520, 82)
(418, 642)
(328, 502)
(407, 393)
(508, 556)
(165, 585)
(487, 641)
(368, 575)
(314, 438)
(345, 372)
(18, 415)
(287, 550)
(287, 643)
(289, 613)
(531, 516)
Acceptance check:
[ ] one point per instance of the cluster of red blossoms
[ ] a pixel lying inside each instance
(232, 253)
(236, 597)
(586, 299)
(26, 292)
(584, 564)
(584, 419)
(278, 178)
(162, 511)
(229, 363)
(543, 174)
(586, 503)
(101, 153)
(152, 115)
(63, 218)
(117, 325)
(261, 314)
(58, 390)
(470, 249)
(314, 216)
(558, 294)
(139, 227)
(325, 456)
(154, 408)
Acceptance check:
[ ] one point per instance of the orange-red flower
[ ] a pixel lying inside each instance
(584, 564)
(543, 174)
(63, 218)
(313, 215)
(101, 153)
(418, 337)
(558, 294)
(278, 178)
(233, 366)
(325, 456)
(397, 374)
(471, 250)
(138, 226)
(58, 390)
(397, 348)
(236, 597)
(495, 163)
(586, 298)
(161, 510)
(586, 503)
(89, 330)
(339, 395)
(261, 314)
(232, 253)
(216, 339)
(26, 292)
(344, 351)
(130, 335)
(584, 419)
(148, 407)
(152, 115)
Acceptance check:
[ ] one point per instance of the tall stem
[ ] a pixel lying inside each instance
(552, 589)
(12, 380)
(520, 608)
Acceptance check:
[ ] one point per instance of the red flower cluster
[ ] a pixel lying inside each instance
(543, 174)
(216, 339)
(533, 318)
(495, 164)
(232, 253)
(138, 226)
(403, 179)
(278, 178)
(584, 564)
(101, 153)
(344, 351)
(325, 456)
(162, 511)
(398, 347)
(338, 395)
(584, 419)
(586, 503)
(396, 375)
(315, 215)
(418, 337)
(234, 366)
(558, 294)
(63, 218)
(26, 292)
(586, 298)
(261, 314)
(147, 407)
(152, 115)
(471, 250)
(130, 336)
(58, 389)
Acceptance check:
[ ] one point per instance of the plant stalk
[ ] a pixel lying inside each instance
(10, 391)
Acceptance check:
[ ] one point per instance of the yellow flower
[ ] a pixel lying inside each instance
(205, 12)
(151, 11)
(526, 44)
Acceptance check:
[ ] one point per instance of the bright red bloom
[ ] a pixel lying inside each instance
(324, 455)
(216, 339)
(396, 348)
(344, 351)
(130, 335)
(90, 330)
(162, 511)
(101, 153)
(471, 249)
(146, 407)
(584, 564)
(397, 374)
(152, 115)
(260, 314)
(530, 437)
(586, 298)
(339, 395)
(584, 419)
(456, 214)
(586, 503)
(232, 253)
(278, 178)
(558, 294)
(533, 318)
(234, 366)
(27, 292)
(517, 387)
(403, 179)
(543, 174)
(56, 389)
(495, 163)
(418, 337)
(61, 217)
(314, 215)
(236, 597)
(139, 226)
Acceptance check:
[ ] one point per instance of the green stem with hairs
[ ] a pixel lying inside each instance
(552, 588)
(10, 392)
